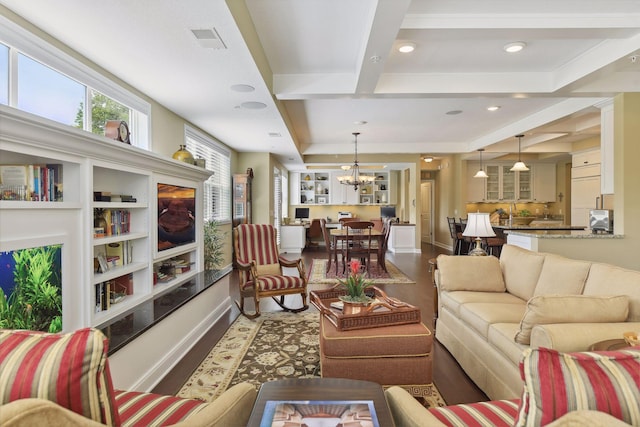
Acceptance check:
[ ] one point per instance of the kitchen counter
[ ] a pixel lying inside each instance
(531, 239)
(541, 227)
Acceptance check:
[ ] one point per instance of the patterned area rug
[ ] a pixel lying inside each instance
(272, 347)
(318, 274)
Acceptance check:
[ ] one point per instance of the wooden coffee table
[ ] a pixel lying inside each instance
(322, 389)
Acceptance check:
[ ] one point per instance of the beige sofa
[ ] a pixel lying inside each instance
(490, 310)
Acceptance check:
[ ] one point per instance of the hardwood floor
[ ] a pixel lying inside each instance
(452, 382)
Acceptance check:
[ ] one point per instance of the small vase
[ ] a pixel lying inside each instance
(356, 307)
(184, 155)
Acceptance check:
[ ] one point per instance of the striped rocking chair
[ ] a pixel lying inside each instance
(260, 269)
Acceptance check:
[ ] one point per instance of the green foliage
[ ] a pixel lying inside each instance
(35, 303)
(524, 212)
(355, 284)
(214, 240)
(103, 108)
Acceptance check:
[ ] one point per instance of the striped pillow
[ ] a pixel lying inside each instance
(68, 369)
(557, 383)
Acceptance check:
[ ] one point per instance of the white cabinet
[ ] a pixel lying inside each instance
(314, 188)
(585, 185)
(293, 238)
(342, 194)
(402, 238)
(544, 182)
(606, 149)
(90, 167)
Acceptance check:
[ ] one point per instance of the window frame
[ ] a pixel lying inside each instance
(211, 143)
(20, 40)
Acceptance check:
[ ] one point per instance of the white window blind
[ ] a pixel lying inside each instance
(217, 189)
(277, 201)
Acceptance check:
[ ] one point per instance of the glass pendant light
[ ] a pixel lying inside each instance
(519, 166)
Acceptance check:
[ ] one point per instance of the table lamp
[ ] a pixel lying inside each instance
(478, 226)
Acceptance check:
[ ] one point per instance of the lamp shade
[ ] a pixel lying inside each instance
(478, 225)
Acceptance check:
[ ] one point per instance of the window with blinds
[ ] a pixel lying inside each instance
(277, 201)
(217, 189)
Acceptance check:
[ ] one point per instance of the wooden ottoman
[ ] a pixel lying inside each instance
(388, 355)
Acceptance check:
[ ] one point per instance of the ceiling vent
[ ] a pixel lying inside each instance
(209, 38)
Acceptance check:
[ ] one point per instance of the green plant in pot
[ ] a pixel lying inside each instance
(355, 285)
(214, 240)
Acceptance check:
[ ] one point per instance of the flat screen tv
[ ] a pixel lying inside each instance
(176, 216)
(302, 213)
(387, 211)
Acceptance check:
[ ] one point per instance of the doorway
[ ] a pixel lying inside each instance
(426, 212)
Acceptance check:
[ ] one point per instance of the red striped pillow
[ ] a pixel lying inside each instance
(68, 369)
(557, 383)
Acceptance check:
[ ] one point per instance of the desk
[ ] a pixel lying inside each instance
(322, 389)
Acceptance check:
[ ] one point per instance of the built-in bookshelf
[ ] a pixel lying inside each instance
(108, 264)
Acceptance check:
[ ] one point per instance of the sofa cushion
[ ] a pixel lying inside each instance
(457, 273)
(138, 409)
(501, 337)
(480, 316)
(606, 279)
(69, 369)
(454, 300)
(557, 383)
(562, 276)
(521, 269)
(550, 309)
(497, 413)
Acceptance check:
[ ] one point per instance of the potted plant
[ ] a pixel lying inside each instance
(355, 285)
(214, 240)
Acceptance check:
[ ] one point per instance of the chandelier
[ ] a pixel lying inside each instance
(355, 178)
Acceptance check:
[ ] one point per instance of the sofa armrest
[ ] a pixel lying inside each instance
(41, 413)
(570, 337)
(407, 412)
(231, 409)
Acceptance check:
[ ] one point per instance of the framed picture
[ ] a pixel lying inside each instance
(322, 200)
(102, 260)
(366, 199)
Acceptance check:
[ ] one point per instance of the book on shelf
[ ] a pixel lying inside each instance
(121, 250)
(117, 221)
(31, 182)
(112, 292)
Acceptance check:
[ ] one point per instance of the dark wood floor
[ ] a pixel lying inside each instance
(452, 382)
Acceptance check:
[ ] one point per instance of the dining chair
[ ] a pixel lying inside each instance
(313, 233)
(260, 269)
(456, 236)
(357, 243)
(332, 246)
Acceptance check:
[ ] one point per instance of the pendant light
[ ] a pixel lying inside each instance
(355, 178)
(481, 173)
(519, 166)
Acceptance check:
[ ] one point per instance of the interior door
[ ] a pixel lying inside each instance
(426, 212)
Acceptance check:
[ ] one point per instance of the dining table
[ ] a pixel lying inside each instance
(340, 235)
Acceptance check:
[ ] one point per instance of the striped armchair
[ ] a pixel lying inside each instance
(260, 269)
(51, 380)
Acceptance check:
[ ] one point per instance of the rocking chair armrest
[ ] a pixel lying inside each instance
(289, 263)
(245, 266)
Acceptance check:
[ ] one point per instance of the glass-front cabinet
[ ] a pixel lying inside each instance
(506, 185)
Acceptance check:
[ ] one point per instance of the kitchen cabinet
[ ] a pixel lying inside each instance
(585, 185)
(544, 182)
(537, 184)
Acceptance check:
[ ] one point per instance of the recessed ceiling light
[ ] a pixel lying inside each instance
(243, 88)
(493, 108)
(514, 47)
(253, 105)
(453, 112)
(428, 159)
(407, 47)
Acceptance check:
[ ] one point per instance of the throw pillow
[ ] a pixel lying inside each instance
(469, 273)
(550, 309)
(269, 269)
(562, 275)
(557, 383)
(69, 369)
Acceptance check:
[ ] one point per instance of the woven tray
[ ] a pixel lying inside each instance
(388, 311)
